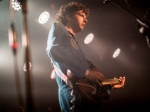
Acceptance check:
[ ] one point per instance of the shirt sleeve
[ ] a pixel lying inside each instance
(60, 50)
(90, 65)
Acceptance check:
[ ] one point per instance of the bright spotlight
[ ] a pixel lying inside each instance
(116, 53)
(16, 5)
(44, 17)
(89, 38)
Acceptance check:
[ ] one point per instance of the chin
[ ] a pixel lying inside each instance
(82, 28)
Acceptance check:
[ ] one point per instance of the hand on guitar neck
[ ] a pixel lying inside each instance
(121, 84)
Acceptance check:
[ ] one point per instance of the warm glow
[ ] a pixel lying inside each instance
(52, 76)
(24, 40)
(89, 38)
(10, 37)
(116, 53)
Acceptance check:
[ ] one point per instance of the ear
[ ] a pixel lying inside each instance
(68, 17)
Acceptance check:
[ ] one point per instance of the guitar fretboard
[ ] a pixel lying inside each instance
(110, 81)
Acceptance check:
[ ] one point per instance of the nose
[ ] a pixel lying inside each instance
(85, 20)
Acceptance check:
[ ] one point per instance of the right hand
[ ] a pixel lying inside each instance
(95, 76)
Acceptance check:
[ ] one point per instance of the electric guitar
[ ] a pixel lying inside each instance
(93, 92)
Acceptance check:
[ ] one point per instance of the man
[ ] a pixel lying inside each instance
(68, 58)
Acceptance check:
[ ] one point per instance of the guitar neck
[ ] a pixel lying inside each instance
(110, 81)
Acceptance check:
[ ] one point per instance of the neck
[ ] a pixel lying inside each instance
(71, 30)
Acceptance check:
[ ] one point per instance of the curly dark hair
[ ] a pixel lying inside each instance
(69, 9)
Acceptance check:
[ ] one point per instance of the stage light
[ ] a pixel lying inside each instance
(116, 53)
(89, 38)
(44, 17)
(16, 5)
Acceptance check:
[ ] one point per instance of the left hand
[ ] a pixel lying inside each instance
(121, 85)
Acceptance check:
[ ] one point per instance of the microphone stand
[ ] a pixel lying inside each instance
(144, 26)
(29, 95)
(14, 45)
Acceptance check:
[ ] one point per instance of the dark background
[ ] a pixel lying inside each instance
(113, 28)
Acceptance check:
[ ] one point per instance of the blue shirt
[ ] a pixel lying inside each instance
(65, 53)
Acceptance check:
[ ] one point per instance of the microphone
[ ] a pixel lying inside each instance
(145, 30)
(148, 43)
(106, 1)
(11, 32)
(12, 38)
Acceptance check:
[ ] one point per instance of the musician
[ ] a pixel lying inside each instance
(67, 57)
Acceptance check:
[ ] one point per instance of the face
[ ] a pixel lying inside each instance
(78, 21)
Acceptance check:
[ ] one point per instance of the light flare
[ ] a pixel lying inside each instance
(16, 5)
(44, 17)
(89, 38)
(116, 53)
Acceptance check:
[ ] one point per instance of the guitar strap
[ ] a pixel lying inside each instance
(62, 75)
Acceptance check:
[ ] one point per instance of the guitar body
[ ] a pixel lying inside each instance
(91, 92)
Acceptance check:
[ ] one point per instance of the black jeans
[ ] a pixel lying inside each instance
(67, 101)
